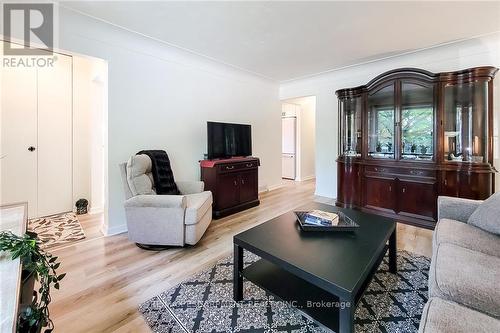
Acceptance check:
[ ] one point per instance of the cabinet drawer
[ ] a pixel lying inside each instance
(222, 168)
(400, 171)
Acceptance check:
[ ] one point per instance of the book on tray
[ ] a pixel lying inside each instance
(321, 218)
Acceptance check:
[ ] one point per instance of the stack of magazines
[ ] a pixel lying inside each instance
(321, 218)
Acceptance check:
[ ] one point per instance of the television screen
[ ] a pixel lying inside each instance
(228, 140)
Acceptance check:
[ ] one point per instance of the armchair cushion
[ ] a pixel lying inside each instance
(465, 235)
(487, 215)
(441, 316)
(466, 277)
(158, 201)
(197, 205)
(139, 177)
(458, 209)
(190, 187)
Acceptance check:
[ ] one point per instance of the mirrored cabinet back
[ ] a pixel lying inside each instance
(410, 135)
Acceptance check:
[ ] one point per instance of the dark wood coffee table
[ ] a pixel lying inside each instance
(324, 274)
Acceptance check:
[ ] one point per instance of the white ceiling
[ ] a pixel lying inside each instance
(286, 40)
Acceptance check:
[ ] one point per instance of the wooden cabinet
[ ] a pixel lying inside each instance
(233, 183)
(410, 135)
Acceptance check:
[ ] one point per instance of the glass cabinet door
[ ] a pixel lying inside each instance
(350, 109)
(381, 123)
(417, 122)
(466, 122)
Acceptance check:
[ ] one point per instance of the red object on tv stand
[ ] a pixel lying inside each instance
(214, 162)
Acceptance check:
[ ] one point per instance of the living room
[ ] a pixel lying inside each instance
(187, 241)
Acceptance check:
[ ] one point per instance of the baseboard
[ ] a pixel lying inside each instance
(268, 188)
(303, 179)
(96, 210)
(325, 200)
(115, 230)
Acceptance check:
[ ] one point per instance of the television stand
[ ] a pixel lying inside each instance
(233, 183)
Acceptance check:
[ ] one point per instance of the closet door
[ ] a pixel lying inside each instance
(18, 137)
(55, 137)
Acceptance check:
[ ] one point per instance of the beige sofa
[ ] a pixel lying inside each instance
(163, 220)
(464, 278)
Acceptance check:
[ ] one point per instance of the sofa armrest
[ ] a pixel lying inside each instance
(157, 201)
(190, 187)
(458, 209)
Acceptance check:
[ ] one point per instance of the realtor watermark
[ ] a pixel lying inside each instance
(29, 31)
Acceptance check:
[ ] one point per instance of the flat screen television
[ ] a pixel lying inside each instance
(228, 140)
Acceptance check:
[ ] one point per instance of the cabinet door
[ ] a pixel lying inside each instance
(449, 182)
(380, 193)
(248, 186)
(55, 169)
(18, 132)
(228, 190)
(417, 199)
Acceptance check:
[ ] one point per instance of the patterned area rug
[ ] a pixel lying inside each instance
(57, 229)
(203, 303)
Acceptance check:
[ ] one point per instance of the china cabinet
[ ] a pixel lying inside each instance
(410, 135)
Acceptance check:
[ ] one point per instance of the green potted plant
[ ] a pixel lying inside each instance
(37, 264)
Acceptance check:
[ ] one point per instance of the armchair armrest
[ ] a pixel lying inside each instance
(158, 201)
(458, 209)
(190, 187)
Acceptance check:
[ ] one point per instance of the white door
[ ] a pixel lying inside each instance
(288, 135)
(36, 137)
(288, 166)
(55, 176)
(18, 137)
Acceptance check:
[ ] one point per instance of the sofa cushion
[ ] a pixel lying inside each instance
(139, 178)
(197, 205)
(466, 235)
(466, 277)
(487, 215)
(441, 316)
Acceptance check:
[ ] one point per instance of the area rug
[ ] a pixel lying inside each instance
(203, 303)
(57, 229)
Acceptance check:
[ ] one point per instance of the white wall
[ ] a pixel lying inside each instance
(306, 136)
(160, 97)
(461, 55)
(88, 122)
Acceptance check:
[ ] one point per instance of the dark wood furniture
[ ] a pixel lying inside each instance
(311, 268)
(410, 135)
(233, 183)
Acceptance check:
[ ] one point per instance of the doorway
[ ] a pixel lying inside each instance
(53, 142)
(298, 122)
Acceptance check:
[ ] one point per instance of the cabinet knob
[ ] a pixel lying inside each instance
(242, 182)
(404, 190)
(249, 165)
(31, 148)
(235, 183)
(230, 167)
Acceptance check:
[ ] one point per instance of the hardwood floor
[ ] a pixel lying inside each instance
(108, 277)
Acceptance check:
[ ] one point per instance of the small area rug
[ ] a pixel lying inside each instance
(57, 229)
(203, 303)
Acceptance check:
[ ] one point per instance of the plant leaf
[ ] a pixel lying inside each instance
(60, 277)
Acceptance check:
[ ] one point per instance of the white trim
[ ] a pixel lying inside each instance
(303, 179)
(96, 210)
(115, 230)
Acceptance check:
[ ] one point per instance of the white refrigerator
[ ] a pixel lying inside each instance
(288, 147)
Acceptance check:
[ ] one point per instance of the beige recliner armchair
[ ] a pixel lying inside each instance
(163, 220)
